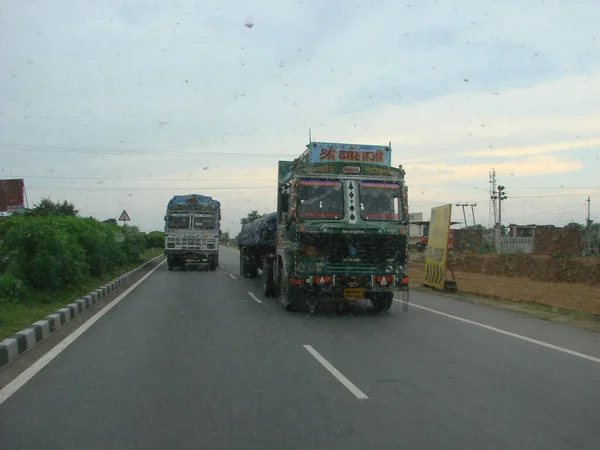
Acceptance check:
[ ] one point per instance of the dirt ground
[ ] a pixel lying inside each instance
(519, 279)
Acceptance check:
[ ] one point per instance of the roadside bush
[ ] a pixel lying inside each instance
(155, 239)
(42, 254)
(133, 245)
(97, 241)
(11, 289)
(45, 253)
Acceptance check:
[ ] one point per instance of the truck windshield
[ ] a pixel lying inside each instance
(320, 199)
(204, 222)
(178, 221)
(380, 201)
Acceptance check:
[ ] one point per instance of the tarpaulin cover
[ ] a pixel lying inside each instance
(260, 232)
(192, 200)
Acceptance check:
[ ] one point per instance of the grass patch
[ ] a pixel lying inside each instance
(16, 316)
(552, 314)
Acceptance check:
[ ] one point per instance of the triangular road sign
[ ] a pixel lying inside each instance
(124, 217)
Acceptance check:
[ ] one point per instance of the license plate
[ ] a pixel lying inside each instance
(354, 294)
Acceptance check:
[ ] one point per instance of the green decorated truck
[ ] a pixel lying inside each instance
(340, 232)
(192, 229)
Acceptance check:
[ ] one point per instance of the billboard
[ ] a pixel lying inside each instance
(437, 247)
(326, 152)
(12, 195)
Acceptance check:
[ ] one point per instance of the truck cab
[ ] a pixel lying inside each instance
(192, 224)
(342, 227)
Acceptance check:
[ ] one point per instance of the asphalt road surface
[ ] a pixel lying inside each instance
(191, 360)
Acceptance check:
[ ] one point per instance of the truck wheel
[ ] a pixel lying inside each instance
(382, 301)
(212, 264)
(242, 264)
(268, 282)
(253, 270)
(286, 295)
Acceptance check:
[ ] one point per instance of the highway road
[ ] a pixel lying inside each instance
(202, 360)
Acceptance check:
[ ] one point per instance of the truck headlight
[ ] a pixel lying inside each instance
(210, 246)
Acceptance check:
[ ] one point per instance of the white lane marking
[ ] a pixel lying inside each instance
(508, 333)
(222, 266)
(31, 371)
(231, 275)
(255, 298)
(336, 373)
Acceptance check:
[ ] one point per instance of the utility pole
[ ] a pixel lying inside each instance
(493, 214)
(589, 228)
(465, 214)
(501, 195)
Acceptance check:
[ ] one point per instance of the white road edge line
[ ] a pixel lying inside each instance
(336, 373)
(255, 298)
(508, 333)
(232, 277)
(31, 371)
(222, 266)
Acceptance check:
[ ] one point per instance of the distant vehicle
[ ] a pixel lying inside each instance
(192, 228)
(340, 232)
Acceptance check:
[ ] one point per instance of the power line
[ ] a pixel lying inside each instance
(554, 187)
(577, 194)
(132, 152)
(58, 177)
(140, 188)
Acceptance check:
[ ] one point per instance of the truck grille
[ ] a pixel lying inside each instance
(355, 249)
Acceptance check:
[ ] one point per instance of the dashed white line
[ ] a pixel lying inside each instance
(255, 298)
(30, 372)
(336, 373)
(231, 275)
(508, 333)
(221, 266)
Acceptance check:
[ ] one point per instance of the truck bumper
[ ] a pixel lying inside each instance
(333, 288)
(191, 256)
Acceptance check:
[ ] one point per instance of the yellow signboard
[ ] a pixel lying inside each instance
(437, 246)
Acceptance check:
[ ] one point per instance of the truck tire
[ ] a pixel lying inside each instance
(253, 270)
(244, 265)
(268, 282)
(287, 296)
(382, 301)
(241, 263)
(212, 263)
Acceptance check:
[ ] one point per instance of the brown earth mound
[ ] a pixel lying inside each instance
(535, 267)
(570, 296)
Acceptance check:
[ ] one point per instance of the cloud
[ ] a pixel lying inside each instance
(532, 167)
(543, 149)
(457, 88)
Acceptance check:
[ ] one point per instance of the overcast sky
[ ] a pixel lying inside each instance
(118, 107)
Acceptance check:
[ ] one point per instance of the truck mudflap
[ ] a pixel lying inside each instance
(318, 290)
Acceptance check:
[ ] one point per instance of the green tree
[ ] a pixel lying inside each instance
(111, 221)
(46, 207)
(251, 217)
(576, 226)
